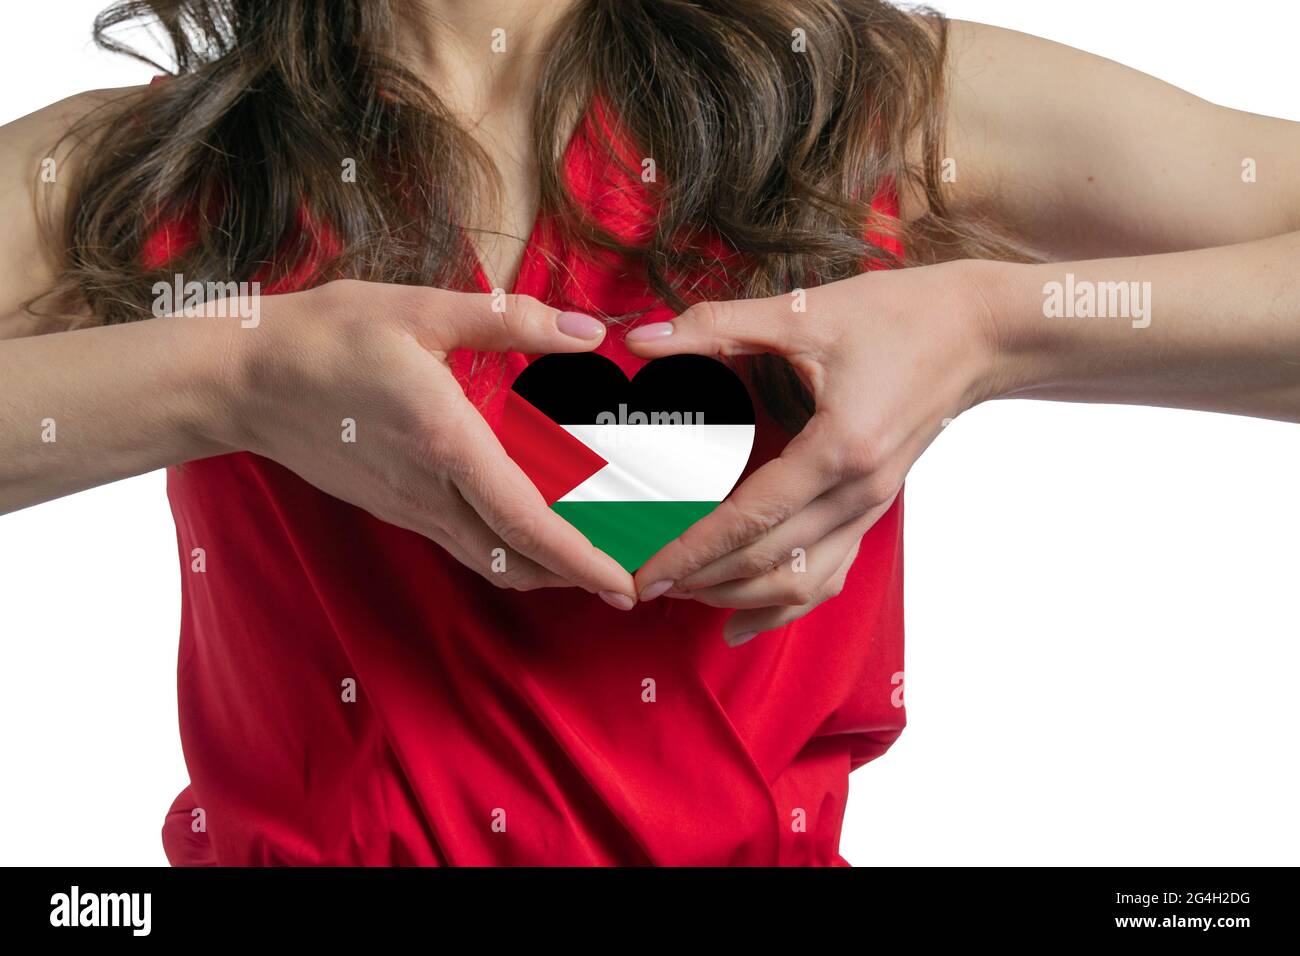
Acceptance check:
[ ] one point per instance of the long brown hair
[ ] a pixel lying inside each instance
(771, 140)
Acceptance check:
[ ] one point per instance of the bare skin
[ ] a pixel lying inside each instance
(492, 95)
(129, 399)
(1081, 157)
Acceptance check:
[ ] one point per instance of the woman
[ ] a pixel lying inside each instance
(391, 650)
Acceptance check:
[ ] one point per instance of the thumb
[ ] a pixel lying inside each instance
(735, 327)
(510, 323)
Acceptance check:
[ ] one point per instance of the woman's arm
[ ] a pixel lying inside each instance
(1080, 157)
(81, 408)
(88, 407)
(85, 408)
(892, 357)
(1219, 329)
(1075, 156)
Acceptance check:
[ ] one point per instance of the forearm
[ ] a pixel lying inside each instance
(83, 408)
(1212, 329)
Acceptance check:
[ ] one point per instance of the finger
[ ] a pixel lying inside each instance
(783, 486)
(736, 327)
(744, 626)
(512, 507)
(793, 583)
(473, 547)
(846, 504)
(499, 323)
(478, 548)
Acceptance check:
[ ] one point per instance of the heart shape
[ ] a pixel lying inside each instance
(630, 464)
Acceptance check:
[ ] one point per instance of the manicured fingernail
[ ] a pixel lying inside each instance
(579, 326)
(651, 332)
(618, 600)
(735, 640)
(656, 589)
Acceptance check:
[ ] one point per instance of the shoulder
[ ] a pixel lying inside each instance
(39, 156)
(39, 133)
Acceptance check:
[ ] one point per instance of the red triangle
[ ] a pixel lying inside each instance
(554, 460)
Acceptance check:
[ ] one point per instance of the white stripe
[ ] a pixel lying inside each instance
(663, 462)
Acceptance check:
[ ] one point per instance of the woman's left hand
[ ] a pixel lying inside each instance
(890, 357)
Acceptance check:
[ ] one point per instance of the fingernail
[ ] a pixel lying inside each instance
(618, 600)
(579, 326)
(737, 639)
(651, 332)
(656, 589)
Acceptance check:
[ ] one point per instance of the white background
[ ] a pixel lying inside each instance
(1102, 602)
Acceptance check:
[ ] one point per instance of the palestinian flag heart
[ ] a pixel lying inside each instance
(631, 464)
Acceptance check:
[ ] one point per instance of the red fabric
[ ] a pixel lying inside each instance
(477, 706)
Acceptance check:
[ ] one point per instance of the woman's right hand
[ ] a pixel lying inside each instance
(423, 457)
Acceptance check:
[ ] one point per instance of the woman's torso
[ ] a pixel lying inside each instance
(350, 694)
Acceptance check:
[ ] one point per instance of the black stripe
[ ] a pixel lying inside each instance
(575, 389)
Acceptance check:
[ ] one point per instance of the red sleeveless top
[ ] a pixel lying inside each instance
(499, 727)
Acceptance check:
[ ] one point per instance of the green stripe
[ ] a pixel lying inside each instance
(631, 531)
